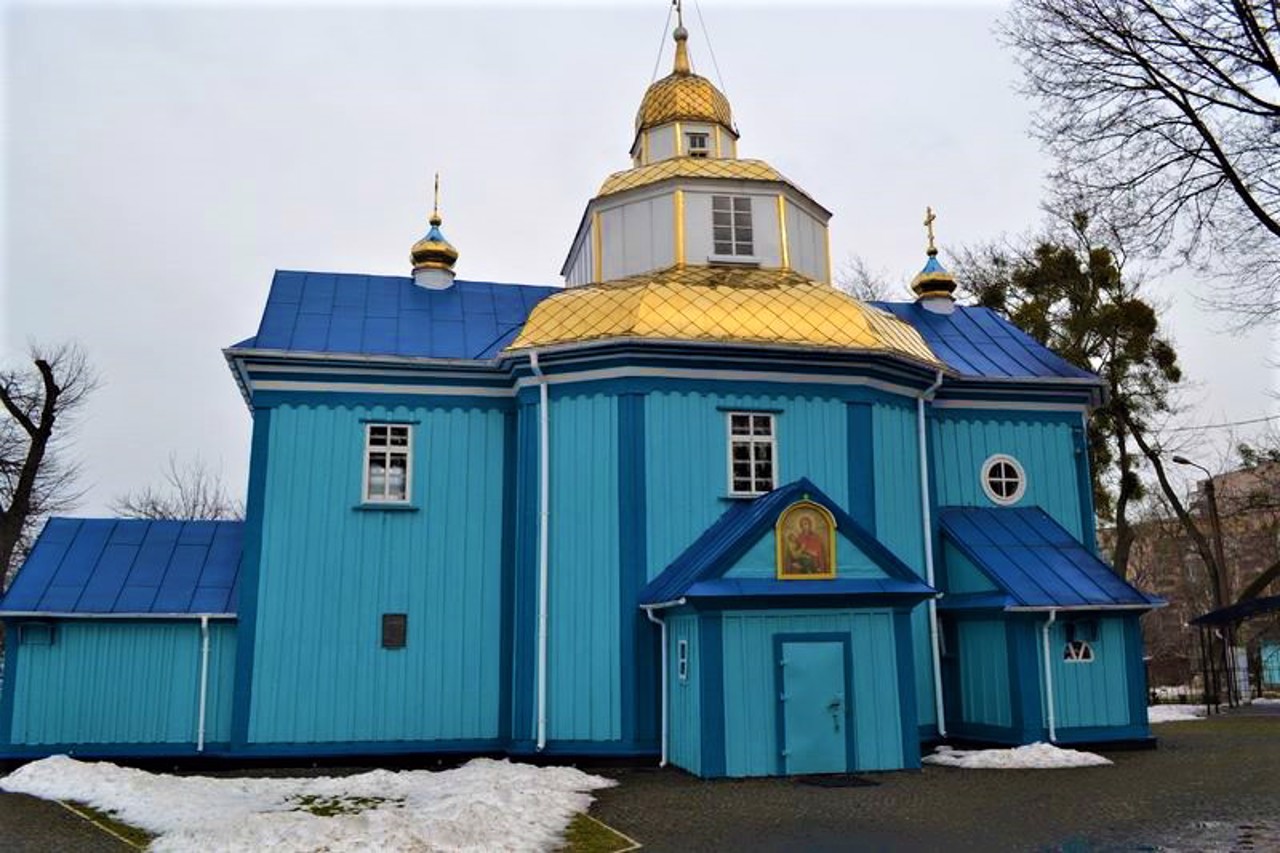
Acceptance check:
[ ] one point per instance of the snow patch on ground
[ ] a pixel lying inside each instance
(1033, 756)
(1266, 701)
(483, 805)
(1174, 713)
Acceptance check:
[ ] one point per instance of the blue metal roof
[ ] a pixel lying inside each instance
(390, 315)
(1034, 561)
(978, 342)
(697, 571)
(129, 567)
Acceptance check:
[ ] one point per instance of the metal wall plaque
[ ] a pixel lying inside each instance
(395, 630)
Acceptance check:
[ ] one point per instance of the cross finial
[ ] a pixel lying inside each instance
(679, 12)
(929, 217)
(435, 209)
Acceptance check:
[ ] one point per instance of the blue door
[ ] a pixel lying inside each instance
(813, 707)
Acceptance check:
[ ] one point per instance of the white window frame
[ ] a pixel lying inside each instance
(1078, 651)
(985, 478)
(703, 150)
(753, 441)
(682, 660)
(389, 451)
(734, 224)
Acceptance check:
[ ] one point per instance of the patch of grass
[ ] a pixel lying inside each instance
(588, 835)
(331, 806)
(139, 838)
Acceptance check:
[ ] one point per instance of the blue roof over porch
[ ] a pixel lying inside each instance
(1033, 563)
(699, 572)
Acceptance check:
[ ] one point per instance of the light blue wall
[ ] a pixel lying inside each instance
(329, 571)
(583, 644)
(1045, 445)
(900, 526)
(982, 658)
(761, 560)
(117, 682)
(684, 736)
(750, 698)
(1271, 664)
(961, 574)
(686, 440)
(1090, 694)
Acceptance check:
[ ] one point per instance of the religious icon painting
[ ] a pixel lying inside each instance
(806, 540)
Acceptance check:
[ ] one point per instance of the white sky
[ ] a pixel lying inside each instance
(162, 162)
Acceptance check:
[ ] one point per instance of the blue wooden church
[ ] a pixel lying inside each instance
(696, 505)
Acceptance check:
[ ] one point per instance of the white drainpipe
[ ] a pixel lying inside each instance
(204, 681)
(662, 626)
(926, 515)
(544, 516)
(1048, 678)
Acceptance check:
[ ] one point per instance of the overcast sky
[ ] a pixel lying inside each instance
(162, 162)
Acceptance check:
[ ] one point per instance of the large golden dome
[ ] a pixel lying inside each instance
(720, 304)
(683, 96)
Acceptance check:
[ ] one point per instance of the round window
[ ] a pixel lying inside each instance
(1003, 479)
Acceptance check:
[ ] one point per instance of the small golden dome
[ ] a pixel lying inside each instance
(720, 304)
(934, 280)
(433, 251)
(683, 96)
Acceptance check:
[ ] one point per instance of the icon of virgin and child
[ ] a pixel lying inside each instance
(805, 539)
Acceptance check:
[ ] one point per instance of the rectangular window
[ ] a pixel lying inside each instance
(395, 630)
(697, 144)
(731, 225)
(682, 660)
(386, 463)
(752, 468)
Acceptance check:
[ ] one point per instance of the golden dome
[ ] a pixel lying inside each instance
(683, 96)
(433, 251)
(720, 304)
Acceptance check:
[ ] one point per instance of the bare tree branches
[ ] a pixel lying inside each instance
(189, 491)
(858, 280)
(1165, 116)
(36, 405)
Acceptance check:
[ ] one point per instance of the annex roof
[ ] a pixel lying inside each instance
(698, 571)
(390, 315)
(1034, 562)
(110, 566)
(1240, 611)
(977, 342)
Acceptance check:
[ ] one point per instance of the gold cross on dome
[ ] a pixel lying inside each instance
(929, 217)
(679, 12)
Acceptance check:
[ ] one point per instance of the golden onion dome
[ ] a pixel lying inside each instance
(433, 251)
(720, 304)
(934, 280)
(683, 96)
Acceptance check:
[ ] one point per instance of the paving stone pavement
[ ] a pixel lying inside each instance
(1211, 786)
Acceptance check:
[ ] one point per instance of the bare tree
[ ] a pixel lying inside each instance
(859, 281)
(189, 491)
(39, 401)
(1163, 115)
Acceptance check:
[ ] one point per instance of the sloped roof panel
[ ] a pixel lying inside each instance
(110, 566)
(1035, 561)
(390, 315)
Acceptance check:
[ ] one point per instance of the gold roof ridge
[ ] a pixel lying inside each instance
(723, 305)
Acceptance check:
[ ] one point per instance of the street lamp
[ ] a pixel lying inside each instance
(1222, 587)
(1215, 523)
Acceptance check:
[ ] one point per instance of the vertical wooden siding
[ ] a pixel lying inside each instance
(750, 700)
(900, 525)
(329, 571)
(686, 448)
(684, 738)
(1095, 693)
(983, 660)
(1045, 447)
(123, 683)
(583, 648)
